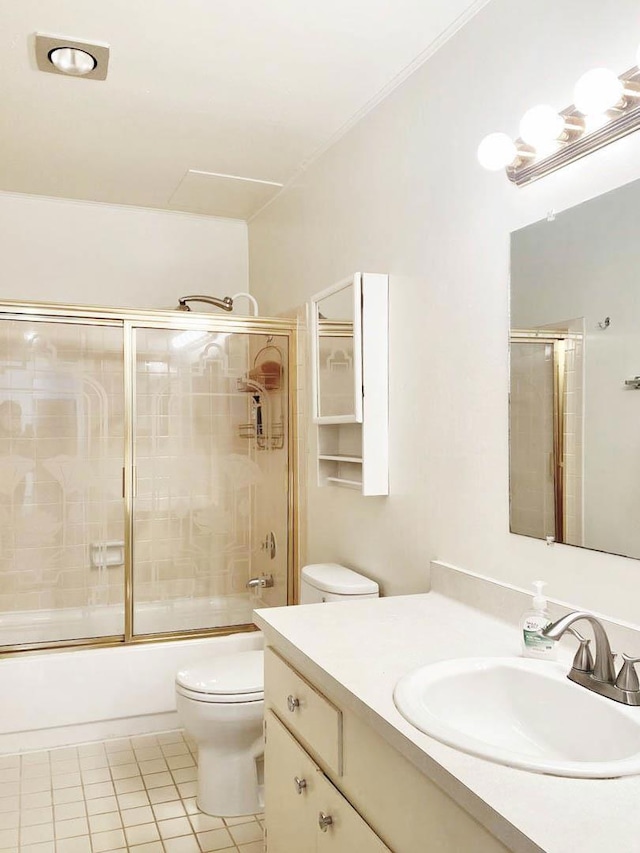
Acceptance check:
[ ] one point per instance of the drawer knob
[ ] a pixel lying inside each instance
(292, 703)
(324, 821)
(300, 784)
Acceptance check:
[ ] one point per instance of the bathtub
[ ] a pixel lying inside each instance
(52, 699)
(154, 617)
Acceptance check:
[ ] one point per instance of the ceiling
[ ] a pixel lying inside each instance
(199, 93)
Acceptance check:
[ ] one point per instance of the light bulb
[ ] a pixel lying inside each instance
(541, 126)
(496, 151)
(597, 91)
(73, 61)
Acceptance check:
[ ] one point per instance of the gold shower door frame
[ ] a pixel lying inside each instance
(557, 341)
(129, 320)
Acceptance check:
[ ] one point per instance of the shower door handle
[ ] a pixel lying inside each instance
(134, 482)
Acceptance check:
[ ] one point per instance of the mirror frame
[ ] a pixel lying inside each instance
(355, 282)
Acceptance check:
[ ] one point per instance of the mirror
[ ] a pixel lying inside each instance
(575, 376)
(337, 353)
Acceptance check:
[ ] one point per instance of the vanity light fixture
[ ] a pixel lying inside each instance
(73, 58)
(606, 107)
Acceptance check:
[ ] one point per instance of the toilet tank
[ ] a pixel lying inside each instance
(333, 582)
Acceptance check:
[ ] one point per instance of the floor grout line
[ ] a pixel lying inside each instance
(87, 842)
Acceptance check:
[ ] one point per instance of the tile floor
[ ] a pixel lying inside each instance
(134, 794)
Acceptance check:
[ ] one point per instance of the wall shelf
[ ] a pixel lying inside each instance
(357, 459)
(354, 484)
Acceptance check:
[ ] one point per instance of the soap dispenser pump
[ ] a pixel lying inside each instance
(533, 622)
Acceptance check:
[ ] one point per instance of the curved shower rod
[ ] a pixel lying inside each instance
(226, 304)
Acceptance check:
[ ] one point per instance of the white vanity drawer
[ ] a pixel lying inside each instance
(305, 711)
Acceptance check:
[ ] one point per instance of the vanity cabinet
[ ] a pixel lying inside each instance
(322, 759)
(350, 380)
(307, 814)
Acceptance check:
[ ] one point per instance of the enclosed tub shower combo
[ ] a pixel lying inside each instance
(145, 485)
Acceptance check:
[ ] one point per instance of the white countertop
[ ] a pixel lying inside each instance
(357, 651)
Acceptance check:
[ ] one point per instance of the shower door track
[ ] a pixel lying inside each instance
(129, 320)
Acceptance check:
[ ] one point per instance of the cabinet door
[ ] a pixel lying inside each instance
(347, 831)
(291, 780)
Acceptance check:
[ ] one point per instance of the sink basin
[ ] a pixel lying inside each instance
(524, 713)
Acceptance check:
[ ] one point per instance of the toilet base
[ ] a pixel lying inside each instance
(230, 785)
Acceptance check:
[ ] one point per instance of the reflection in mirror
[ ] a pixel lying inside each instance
(335, 354)
(575, 355)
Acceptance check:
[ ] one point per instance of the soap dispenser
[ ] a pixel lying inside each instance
(533, 622)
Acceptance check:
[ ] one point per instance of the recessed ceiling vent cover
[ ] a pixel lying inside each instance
(72, 58)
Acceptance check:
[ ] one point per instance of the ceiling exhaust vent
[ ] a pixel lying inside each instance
(73, 58)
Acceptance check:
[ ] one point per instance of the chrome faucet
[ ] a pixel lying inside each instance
(263, 582)
(599, 676)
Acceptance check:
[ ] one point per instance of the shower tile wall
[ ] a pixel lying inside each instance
(272, 490)
(207, 495)
(531, 418)
(531, 444)
(61, 452)
(209, 489)
(195, 477)
(304, 424)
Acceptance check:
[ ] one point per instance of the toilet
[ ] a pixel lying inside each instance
(220, 703)
(325, 582)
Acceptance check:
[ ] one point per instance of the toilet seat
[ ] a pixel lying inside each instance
(227, 679)
(220, 698)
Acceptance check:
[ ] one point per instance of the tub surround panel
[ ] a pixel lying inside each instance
(355, 653)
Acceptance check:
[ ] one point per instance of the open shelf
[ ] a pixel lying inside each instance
(354, 484)
(339, 458)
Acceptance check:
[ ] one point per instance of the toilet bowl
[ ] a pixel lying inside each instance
(221, 705)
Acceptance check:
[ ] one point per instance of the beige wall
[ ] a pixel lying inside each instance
(402, 193)
(56, 250)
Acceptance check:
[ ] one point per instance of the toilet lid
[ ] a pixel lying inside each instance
(226, 675)
(332, 577)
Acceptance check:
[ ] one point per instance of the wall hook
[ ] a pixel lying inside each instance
(605, 323)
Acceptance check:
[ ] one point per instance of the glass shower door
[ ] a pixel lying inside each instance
(61, 459)
(211, 477)
(532, 424)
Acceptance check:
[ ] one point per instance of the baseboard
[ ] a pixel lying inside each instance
(37, 739)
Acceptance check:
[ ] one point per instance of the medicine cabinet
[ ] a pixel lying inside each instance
(350, 382)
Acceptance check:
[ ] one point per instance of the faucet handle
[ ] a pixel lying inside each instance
(583, 659)
(628, 677)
